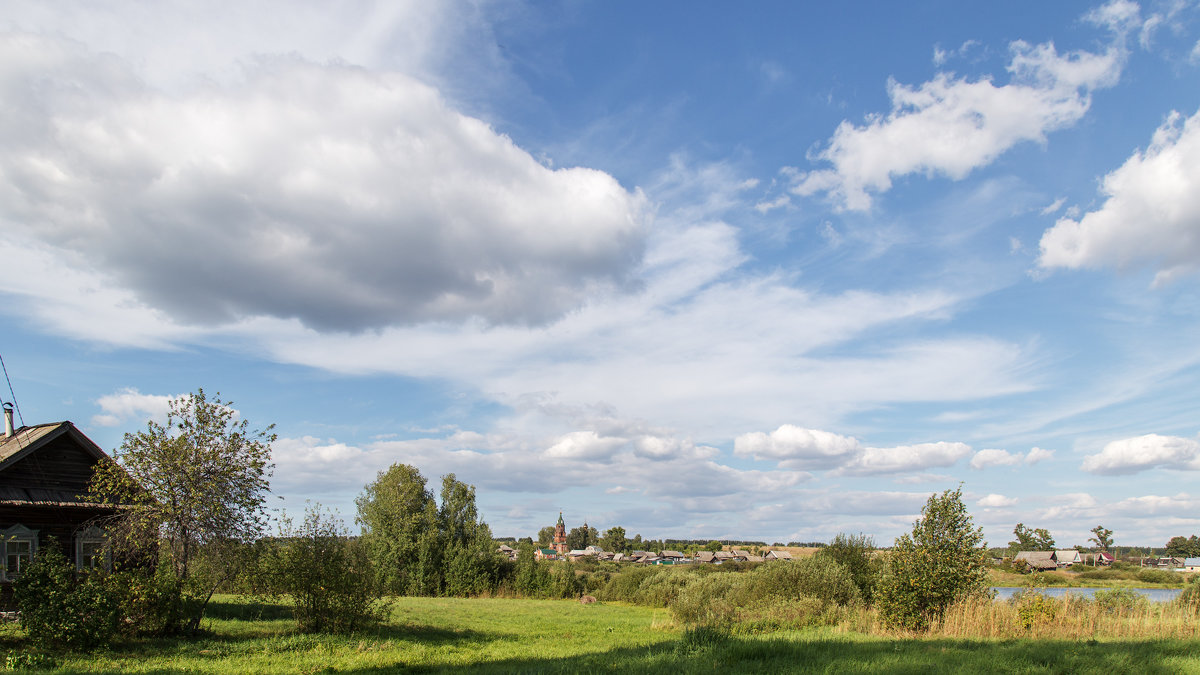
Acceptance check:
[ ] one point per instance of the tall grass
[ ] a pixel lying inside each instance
(1112, 615)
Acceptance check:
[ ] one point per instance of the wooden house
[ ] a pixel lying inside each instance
(1038, 560)
(44, 475)
(1067, 558)
(777, 555)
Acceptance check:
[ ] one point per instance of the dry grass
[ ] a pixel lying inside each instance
(1068, 617)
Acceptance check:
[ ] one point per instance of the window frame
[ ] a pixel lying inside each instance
(14, 534)
(92, 535)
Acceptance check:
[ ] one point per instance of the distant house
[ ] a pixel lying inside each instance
(777, 555)
(507, 551)
(545, 554)
(673, 556)
(1038, 560)
(723, 556)
(1104, 558)
(1191, 565)
(45, 471)
(1163, 563)
(740, 555)
(754, 558)
(1067, 558)
(705, 557)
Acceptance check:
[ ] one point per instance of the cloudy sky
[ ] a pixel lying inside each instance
(709, 271)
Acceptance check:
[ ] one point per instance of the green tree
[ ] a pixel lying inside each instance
(614, 539)
(1103, 538)
(545, 536)
(199, 480)
(942, 561)
(581, 537)
(397, 515)
(1184, 547)
(714, 546)
(1031, 540)
(467, 540)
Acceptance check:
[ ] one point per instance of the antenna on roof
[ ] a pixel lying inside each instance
(10, 390)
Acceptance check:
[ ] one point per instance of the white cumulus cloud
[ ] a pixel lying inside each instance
(906, 458)
(1130, 455)
(951, 125)
(1151, 214)
(130, 404)
(343, 197)
(797, 448)
(990, 457)
(995, 501)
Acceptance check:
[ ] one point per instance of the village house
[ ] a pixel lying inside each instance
(777, 555)
(1067, 558)
(45, 471)
(1038, 560)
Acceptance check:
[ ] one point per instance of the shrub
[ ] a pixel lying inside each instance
(1034, 608)
(771, 597)
(1120, 601)
(1102, 575)
(326, 576)
(661, 589)
(564, 583)
(1189, 599)
(816, 577)
(853, 552)
(625, 585)
(706, 601)
(57, 611)
(1152, 576)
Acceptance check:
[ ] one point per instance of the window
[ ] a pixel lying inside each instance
(91, 550)
(17, 545)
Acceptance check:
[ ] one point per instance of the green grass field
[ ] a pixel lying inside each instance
(499, 635)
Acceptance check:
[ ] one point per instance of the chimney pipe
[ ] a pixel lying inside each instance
(8, 421)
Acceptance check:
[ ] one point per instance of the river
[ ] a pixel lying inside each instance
(1154, 594)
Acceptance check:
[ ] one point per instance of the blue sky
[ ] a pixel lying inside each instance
(704, 271)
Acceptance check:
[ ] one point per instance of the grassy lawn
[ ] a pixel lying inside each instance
(497, 635)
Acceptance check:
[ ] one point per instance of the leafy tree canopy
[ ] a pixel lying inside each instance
(942, 561)
(1028, 539)
(200, 479)
(1103, 538)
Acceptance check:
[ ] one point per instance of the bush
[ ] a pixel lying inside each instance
(771, 597)
(817, 577)
(1120, 601)
(853, 552)
(57, 611)
(1034, 608)
(1190, 598)
(661, 589)
(1153, 576)
(1102, 575)
(326, 576)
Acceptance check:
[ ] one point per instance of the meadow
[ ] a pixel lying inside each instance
(522, 635)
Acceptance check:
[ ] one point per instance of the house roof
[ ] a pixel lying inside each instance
(1066, 555)
(1191, 562)
(28, 440)
(672, 554)
(1035, 555)
(782, 555)
(704, 556)
(740, 553)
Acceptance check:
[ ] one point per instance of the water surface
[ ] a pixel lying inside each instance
(1154, 594)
